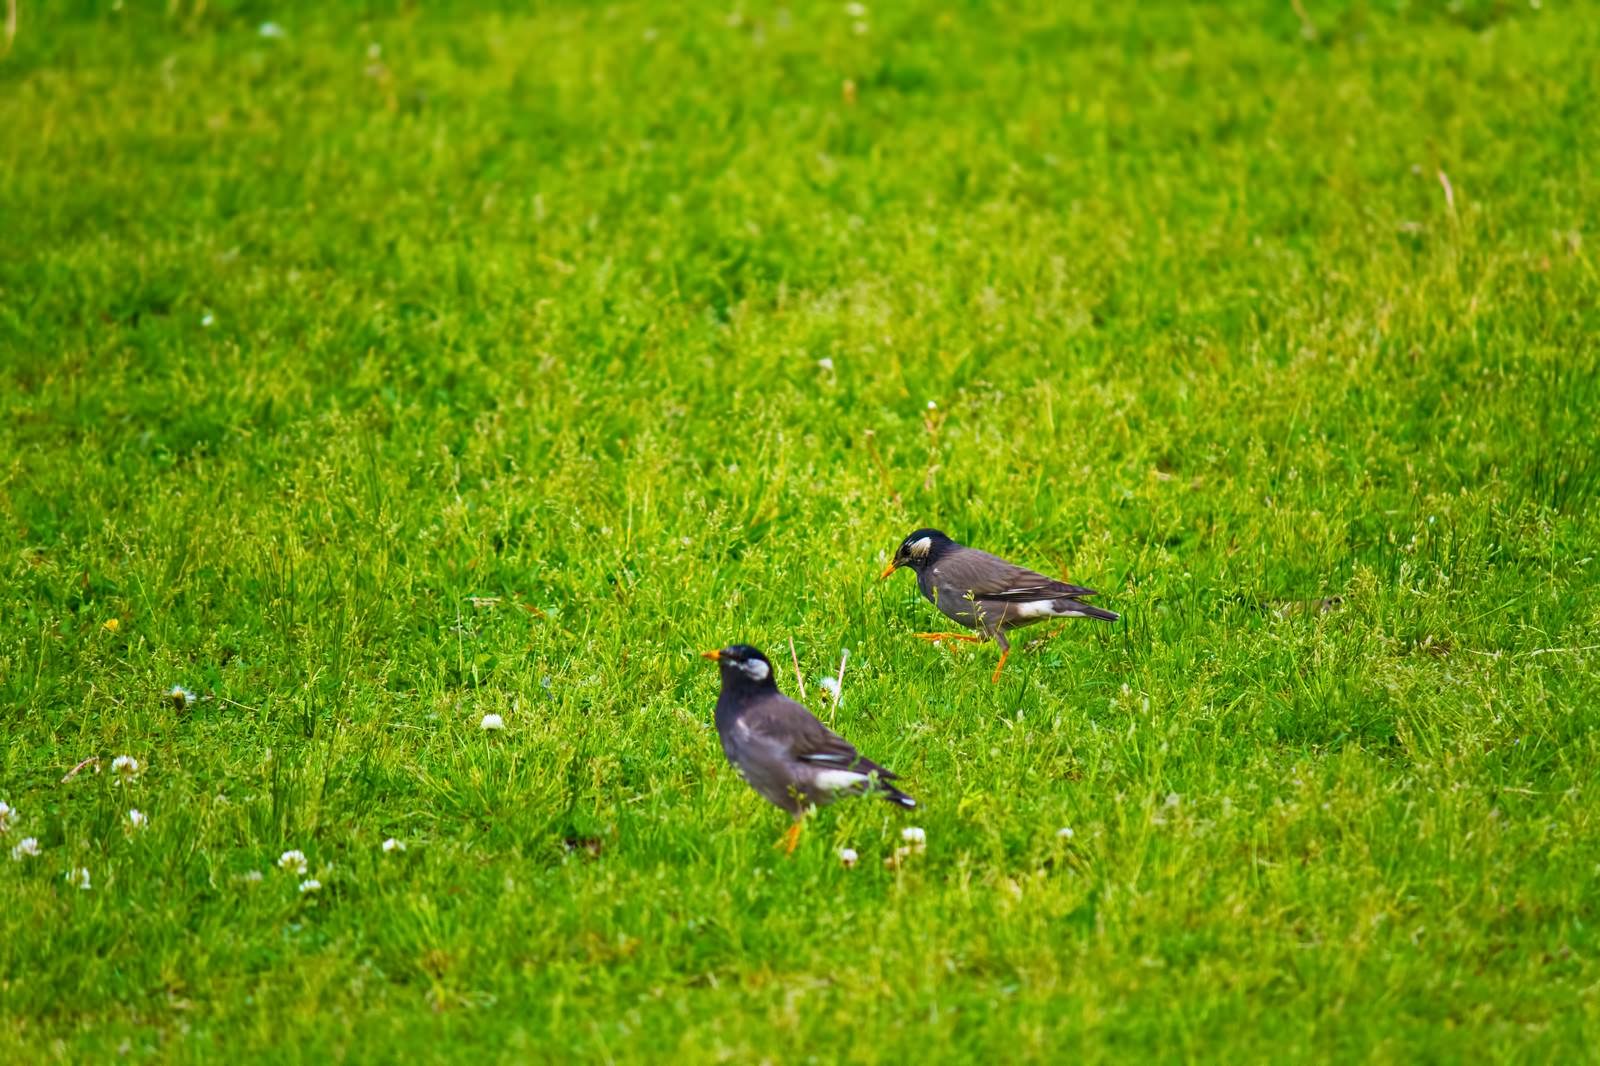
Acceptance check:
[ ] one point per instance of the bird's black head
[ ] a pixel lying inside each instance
(918, 550)
(743, 667)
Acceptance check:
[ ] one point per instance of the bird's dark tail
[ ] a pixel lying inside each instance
(1084, 610)
(898, 798)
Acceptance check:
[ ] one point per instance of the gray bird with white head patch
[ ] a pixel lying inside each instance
(984, 592)
(782, 750)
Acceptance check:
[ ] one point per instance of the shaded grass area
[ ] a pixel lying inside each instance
(411, 366)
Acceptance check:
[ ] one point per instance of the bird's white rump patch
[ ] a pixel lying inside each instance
(839, 780)
(755, 669)
(919, 548)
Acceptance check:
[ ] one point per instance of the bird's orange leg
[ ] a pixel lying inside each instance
(968, 637)
(792, 838)
(999, 666)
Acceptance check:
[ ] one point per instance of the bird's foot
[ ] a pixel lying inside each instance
(965, 638)
(791, 839)
(999, 666)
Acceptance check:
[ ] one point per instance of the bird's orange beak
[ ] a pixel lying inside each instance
(712, 655)
(886, 571)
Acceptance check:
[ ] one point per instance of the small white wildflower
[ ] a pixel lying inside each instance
(848, 856)
(29, 847)
(137, 818)
(856, 11)
(293, 859)
(914, 836)
(394, 845)
(1065, 832)
(374, 50)
(492, 721)
(79, 877)
(207, 319)
(271, 31)
(250, 876)
(825, 363)
(126, 767)
(932, 406)
(899, 856)
(310, 884)
(181, 697)
(830, 685)
(1173, 799)
(6, 814)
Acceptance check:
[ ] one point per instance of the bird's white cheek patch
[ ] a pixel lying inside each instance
(839, 780)
(755, 669)
(920, 548)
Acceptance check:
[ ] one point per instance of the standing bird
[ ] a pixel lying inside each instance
(780, 748)
(983, 591)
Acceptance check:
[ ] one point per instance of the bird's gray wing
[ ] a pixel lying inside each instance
(982, 576)
(799, 733)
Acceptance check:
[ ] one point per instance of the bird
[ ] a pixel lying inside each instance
(984, 592)
(782, 750)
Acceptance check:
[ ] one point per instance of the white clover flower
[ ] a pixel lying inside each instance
(394, 845)
(830, 685)
(849, 857)
(914, 836)
(932, 406)
(251, 876)
(825, 363)
(6, 814)
(181, 697)
(137, 818)
(1065, 833)
(492, 721)
(207, 319)
(126, 767)
(294, 860)
(310, 884)
(79, 877)
(28, 848)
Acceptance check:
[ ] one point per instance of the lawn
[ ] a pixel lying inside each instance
(369, 368)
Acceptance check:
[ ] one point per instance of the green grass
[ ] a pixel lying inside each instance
(306, 344)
